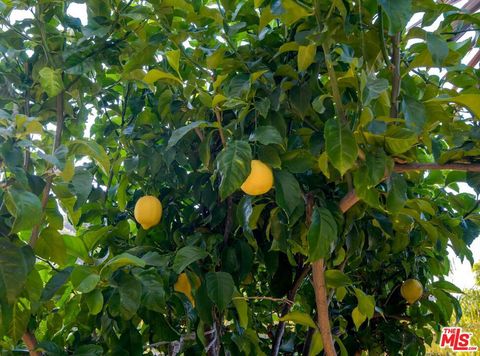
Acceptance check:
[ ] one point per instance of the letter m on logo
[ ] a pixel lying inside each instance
(447, 339)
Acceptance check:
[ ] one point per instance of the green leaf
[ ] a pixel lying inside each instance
(415, 114)
(155, 75)
(55, 283)
(218, 99)
(186, 256)
(130, 290)
(173, 58)
(178, 134)
(397, 195)
(288, 194)
(89, 350)
(446, 286)
(82, 185)
(470, 101)
(51, 81)
(373, 88)
(220, 288)
(121, 260)
(317, 344)
(287, 47)
(336, 278)
(153, 292)
(25, 207)
(267, 135)
(122, 193)
(93, 150)
(400, 140)
(15, 265)
(298, 161)
(399, 13)
(366, 303)
(51, 246)
(322, 234)
(341, 146)
(299, 318)
(84, 279)
(438, 48)
(241, 306)
(306, 56)
(340, 293)
(19, 322)
(358, 317)
(94, 301)
(233, 164)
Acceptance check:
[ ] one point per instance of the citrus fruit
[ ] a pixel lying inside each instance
(260, 179)
(148, 211)
(411, 290)
(182, 285)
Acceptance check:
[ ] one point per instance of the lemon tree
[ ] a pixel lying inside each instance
(243, 177)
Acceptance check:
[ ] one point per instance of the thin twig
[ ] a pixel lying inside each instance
(229, 220)
(303, 272)
(351, 198)
(383, 43)
(279, 300)
(218, 116)
(396, 78)
(334, 84)
(46, 190)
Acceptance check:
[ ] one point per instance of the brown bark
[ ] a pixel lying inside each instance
(31, 343)
(320, 287)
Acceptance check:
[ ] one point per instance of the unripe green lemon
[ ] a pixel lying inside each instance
(411, 290)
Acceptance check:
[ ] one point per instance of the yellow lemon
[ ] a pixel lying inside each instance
(260, 179)
(411, 290)
(148, 211)
(182, 285)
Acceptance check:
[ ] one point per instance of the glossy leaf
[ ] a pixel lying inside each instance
(233, 164)
(220, 288)
(186, 256)
(322, 234)
(341, 146)
(25, 207)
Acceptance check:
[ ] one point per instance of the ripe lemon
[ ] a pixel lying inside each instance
(148, 211)
(183, 285)
(260, 179)
(411, 290)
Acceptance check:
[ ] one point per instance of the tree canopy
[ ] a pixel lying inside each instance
(369, 125)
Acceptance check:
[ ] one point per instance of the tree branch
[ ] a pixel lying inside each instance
(26, 159)
(218, 115)
(383, 43)
(229, 220)
(286, 307)
(31, 342)
(396, 74)
(322, 307)
(48, 185)
(351, 198)
(334, 84)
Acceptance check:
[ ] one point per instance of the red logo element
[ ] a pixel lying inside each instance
(455, 339)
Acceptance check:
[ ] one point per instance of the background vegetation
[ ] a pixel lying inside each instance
(364, 141)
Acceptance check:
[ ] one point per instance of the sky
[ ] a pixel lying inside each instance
(461, 272)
